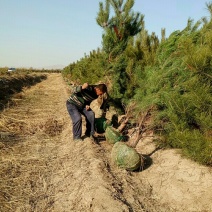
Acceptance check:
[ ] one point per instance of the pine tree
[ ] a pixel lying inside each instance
(178, 89)
(118, 29)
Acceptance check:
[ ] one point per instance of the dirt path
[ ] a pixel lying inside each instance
(43, 169)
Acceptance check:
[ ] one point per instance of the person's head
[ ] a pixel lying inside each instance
(100, 89)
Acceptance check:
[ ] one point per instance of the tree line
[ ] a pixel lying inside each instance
(168, 79)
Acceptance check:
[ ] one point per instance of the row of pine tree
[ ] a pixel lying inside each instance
(169, 78)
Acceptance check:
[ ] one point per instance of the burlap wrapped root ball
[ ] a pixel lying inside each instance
(125, 157)
(112, 135)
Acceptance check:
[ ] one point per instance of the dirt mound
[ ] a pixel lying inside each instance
(179, 182)
(43, 169)
(10, 85)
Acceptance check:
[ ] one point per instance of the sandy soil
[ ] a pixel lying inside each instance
(43, 169)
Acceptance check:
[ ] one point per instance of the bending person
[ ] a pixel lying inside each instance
(78, 104)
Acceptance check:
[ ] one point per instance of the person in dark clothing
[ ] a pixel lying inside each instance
(78, 104)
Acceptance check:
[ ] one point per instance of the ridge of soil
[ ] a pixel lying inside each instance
(12, 84)
(43, 169)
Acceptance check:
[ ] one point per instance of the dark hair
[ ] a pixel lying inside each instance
(102, 87)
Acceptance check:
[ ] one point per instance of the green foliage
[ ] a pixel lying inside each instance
(169, 80)
(193, 143)
(118, 30)
(178, 88)
(90, 69)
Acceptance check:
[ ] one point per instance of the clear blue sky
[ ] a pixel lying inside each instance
(52, 33)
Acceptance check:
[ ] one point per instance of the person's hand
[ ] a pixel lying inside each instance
(85, 85)
(87, 107)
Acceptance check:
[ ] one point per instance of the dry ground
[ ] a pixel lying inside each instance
(43, 169)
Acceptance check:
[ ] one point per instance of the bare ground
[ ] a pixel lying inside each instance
(43, 169)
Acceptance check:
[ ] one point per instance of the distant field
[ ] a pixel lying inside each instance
(4, 71)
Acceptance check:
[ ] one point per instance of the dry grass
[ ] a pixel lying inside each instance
(24, 179)
(29, 134)
(14, 84)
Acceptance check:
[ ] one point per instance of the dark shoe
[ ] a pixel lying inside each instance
(94, 139)
(85, 136)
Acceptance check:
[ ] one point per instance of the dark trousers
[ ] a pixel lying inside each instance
(76, 117)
